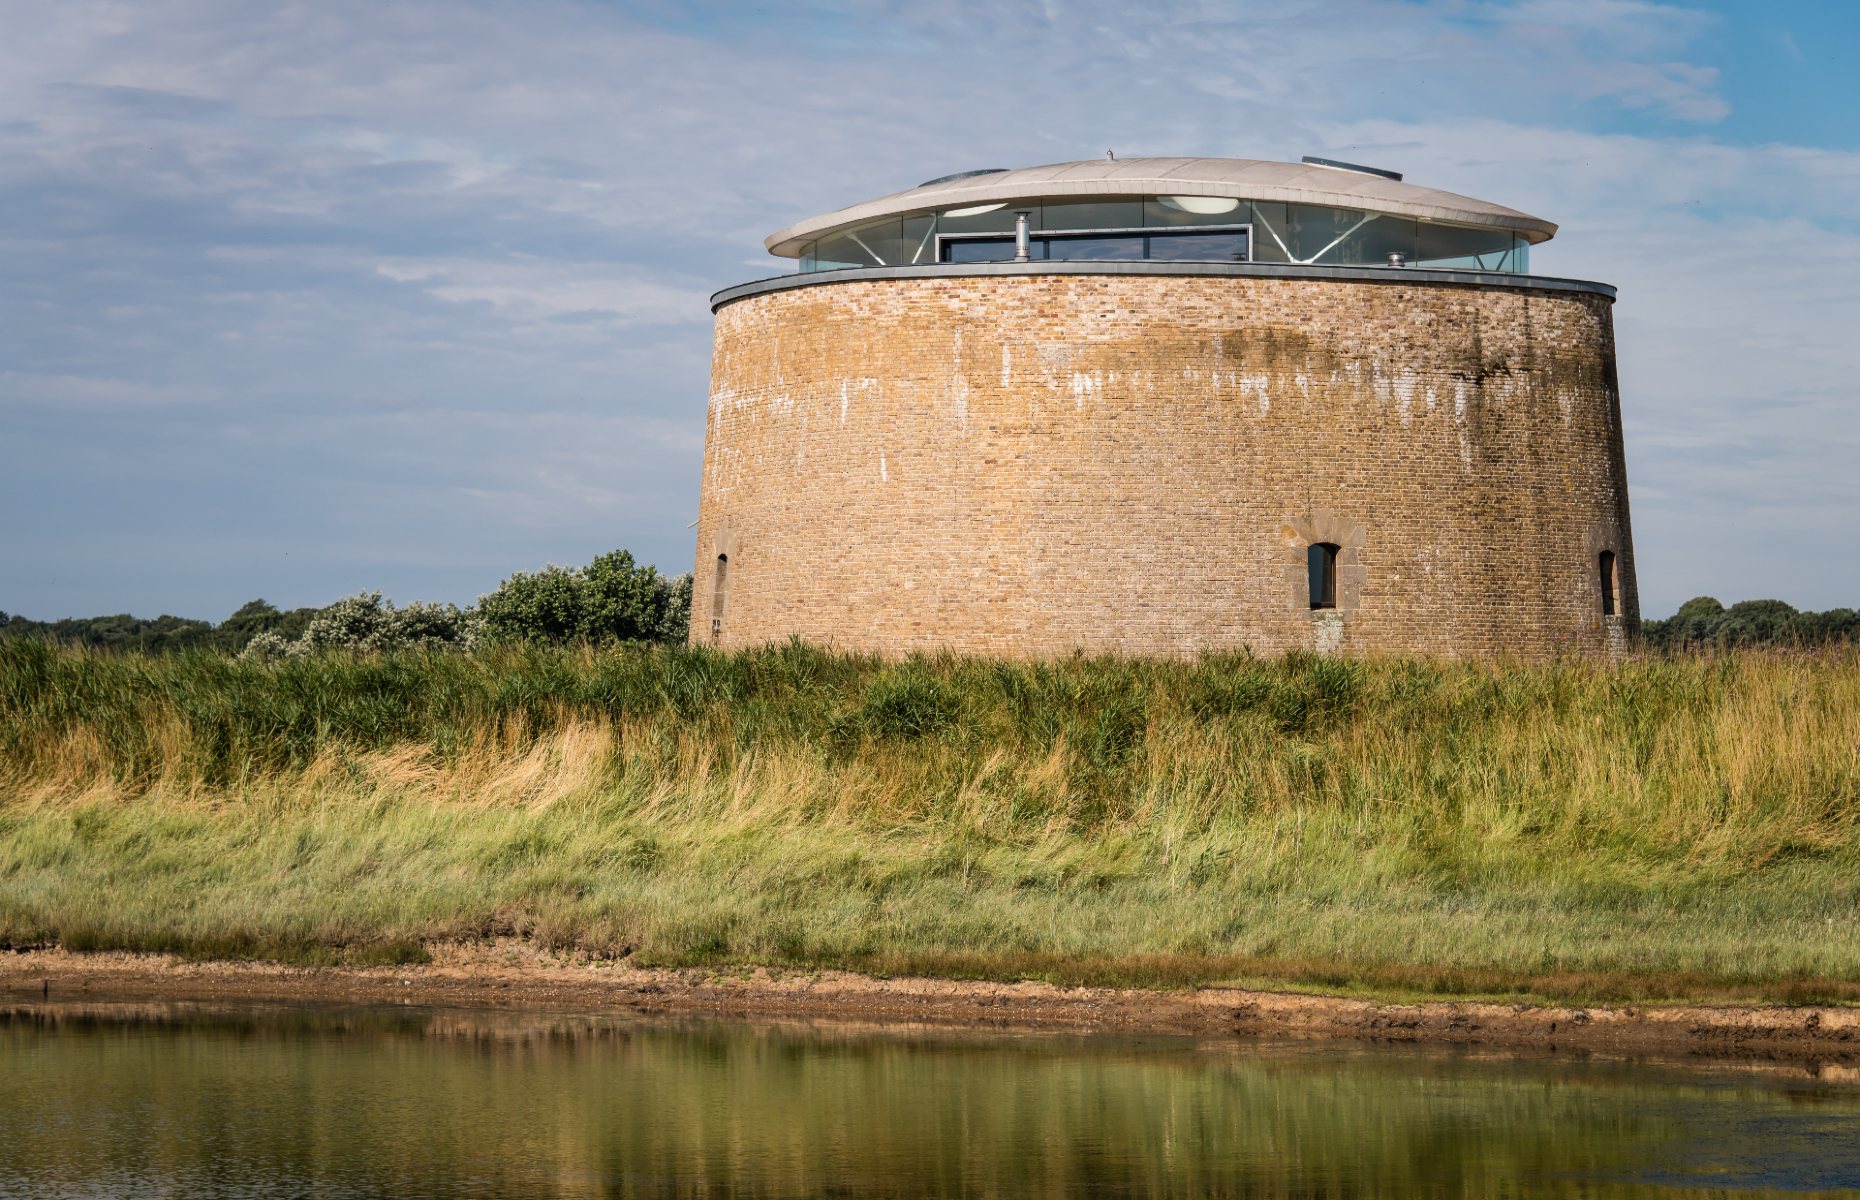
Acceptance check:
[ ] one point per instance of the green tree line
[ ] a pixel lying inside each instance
(1705, 624)
(613, 599)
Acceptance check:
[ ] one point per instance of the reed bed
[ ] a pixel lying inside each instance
(1664, 827)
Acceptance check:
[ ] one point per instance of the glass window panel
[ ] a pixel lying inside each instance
(1168, 211)
(829, 251)
(969, 250)
(1521, 255)
(1458, 246)
(886, 240)
(1374, 242)
(1092, 214)
(1098, 249)
(1319, 234)
(877, 244)
(836, 252)
(807, 257)
(1269, 223)
(919, 239)
(1199, 247)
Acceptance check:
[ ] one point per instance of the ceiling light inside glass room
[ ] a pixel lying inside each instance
(1204, 205)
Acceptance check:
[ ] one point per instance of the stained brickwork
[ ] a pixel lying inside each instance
(1029, 465)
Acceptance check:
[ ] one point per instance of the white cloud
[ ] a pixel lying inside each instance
(1642, 26)
(540, 291)
(233, 228)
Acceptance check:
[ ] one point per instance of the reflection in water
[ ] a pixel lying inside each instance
(264, 1102)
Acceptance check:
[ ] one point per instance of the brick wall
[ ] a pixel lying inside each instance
(1026, 465)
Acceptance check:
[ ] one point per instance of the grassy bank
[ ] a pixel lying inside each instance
(1665, 828)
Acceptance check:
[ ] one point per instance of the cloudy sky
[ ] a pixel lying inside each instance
(297, 299)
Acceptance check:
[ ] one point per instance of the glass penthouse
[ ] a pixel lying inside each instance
(1209, 210)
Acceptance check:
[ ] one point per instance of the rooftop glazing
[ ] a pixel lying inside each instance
(1176, 210)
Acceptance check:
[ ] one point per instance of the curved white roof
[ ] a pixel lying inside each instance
(1242, 178)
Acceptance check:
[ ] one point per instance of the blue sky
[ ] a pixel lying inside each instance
(304, 299)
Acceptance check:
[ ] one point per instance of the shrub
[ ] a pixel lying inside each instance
(675, 609)
(256, 617)
(612, 599)
(365, 623)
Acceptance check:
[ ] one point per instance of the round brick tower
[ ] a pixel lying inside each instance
(1166, 406)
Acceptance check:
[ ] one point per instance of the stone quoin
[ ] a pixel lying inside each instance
(1166, 406)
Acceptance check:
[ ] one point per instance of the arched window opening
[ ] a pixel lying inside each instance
(1322, 561)
(719, 594)
(1611, 585)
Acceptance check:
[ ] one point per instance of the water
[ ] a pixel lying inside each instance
(333, 1103)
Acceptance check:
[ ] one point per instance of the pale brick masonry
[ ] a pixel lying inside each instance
(1036, 463)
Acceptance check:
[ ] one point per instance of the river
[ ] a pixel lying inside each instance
(332, 1103)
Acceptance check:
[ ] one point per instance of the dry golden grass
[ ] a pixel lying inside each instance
(1656, 828)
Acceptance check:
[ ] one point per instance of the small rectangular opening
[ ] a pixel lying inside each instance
(1321, 561)
(719, 595)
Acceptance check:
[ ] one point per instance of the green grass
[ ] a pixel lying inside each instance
(1659, 828)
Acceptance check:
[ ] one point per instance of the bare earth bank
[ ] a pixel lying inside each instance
(1827, 1039)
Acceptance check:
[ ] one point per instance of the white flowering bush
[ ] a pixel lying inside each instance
(367, 623)
(267, 647)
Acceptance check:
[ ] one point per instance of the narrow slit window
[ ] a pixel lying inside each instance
(1322, 561)
(719, 594)
(1610, 586)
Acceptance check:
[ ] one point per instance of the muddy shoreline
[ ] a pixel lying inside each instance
(1825, 1039)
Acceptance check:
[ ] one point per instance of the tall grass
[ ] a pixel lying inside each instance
(1661, 827)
